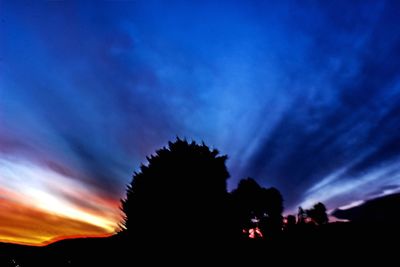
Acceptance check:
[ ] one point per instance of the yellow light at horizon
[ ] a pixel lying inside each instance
(68, 206)
(51, 204)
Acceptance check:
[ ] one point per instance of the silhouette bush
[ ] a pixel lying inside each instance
(180, 194)
(318, 214)
(253, 203)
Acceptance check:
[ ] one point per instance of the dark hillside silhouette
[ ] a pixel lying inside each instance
(382, 210)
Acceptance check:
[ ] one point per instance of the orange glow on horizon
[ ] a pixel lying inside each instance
(23, 225)
(39, 206)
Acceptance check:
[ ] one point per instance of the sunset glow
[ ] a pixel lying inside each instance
(39, 206)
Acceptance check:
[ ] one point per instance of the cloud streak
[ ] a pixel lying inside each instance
(37, 190)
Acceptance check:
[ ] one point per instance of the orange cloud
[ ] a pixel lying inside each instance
(25, 225)
(39, 206)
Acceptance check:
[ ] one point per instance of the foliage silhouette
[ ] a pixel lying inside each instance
(290, 223)
(181, 195)
(256, 206)
(318, 214)
(301, 216)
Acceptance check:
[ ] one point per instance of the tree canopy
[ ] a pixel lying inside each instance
(318, 213)
(180, 193)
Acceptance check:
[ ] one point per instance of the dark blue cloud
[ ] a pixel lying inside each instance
(302, 96)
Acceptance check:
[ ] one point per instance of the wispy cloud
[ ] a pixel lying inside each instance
(44, 191)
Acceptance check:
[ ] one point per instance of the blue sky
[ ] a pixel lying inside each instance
(301, 95)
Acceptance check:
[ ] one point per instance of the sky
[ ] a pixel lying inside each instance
(301, 95)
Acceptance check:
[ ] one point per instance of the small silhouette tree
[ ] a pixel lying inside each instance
(301, 216)
(271, 222)
(290, 223)
(253, 203)
(247, 203)
(180, 194)
(318, 214)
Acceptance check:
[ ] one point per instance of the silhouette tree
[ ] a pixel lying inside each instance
(301, 216)
(318, 214)
(181, 194)
(247, 203)
(290, 222)
(256, 206)
(271, 222)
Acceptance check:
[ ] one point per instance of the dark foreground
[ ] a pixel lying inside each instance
(307, 245)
